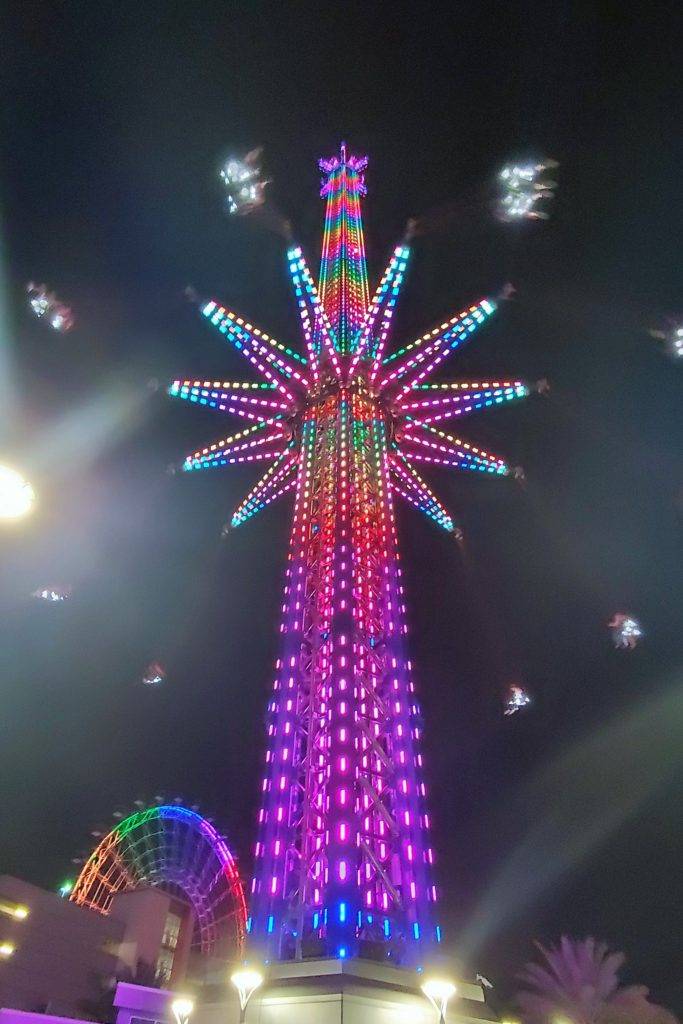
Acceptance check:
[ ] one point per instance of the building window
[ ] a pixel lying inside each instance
(169, 940)
(164, 966)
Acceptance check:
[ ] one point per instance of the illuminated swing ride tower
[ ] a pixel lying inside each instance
(344, 856)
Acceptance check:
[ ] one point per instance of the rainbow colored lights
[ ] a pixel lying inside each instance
(173, 848)
(343, 272)
(343, 857)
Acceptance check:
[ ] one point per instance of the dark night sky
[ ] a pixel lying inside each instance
(116, 117)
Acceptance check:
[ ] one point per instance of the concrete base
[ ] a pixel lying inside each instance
(342, 992)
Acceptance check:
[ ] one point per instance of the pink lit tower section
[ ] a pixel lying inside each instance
(344, 859)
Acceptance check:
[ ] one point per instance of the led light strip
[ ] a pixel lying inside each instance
(258, 354)
(385, 300)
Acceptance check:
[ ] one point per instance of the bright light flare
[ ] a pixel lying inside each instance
(626, 631)
(6, 949)
(16, 910)
(61, 319)
(154, 675)
(523, 191)
(44, 304)
(516, 700)
(671, 336)
(52, 594)
(243, 182)
(246, 981)
(182, 1008)
(39, 304)
(438, 992)
(16, 494)
(676, 342)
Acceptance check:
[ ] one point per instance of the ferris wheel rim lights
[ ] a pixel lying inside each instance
(90, 889)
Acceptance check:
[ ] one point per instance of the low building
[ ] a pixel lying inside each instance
(59, 961)
(315, 992)
(59, 958)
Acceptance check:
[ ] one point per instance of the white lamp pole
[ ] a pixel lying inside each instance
(246, 981)
(438, 992)
(182, 1008)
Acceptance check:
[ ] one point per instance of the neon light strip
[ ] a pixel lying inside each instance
(428, 508)
(459, 463)
(412, 432)
(322, 333)
(259, 355)
(267, 499)
(235, 443)
(248, 406)
(385, 300)
(417, 367)
(232, 459)
(216, 313)
(461, 385)
(343, 272)
(449, 406)
(263, 493)
(420, 442)
(413, 482)
(308, 328)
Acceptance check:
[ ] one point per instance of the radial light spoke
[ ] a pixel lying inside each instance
(323, 341)
(422, 356)
(271, 435)
(256, 402)
(459, 400)
(277, 480)
(271, 359)
(371, 338)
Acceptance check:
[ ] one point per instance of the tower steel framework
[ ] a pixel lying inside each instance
(344, 855)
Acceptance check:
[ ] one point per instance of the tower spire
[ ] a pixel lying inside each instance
(343, 271)
(343, 861)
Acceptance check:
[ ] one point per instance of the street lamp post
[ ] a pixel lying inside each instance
(182, 1008)
(438, 992)
(246, 981)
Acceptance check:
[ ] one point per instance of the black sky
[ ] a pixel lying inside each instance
(115, 120)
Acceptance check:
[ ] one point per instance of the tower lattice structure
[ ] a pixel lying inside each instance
(344, 856)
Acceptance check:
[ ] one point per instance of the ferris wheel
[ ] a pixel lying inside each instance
(177, 850)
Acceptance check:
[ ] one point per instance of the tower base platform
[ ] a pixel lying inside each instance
(343, 992)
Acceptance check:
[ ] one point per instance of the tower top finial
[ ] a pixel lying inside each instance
(354, 164)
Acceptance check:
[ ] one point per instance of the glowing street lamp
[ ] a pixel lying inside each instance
(182, 1008)
(246, 981)
(438, 992)
(15, 910)
(16, 494)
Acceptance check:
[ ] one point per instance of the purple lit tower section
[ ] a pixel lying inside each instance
(343, 862)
